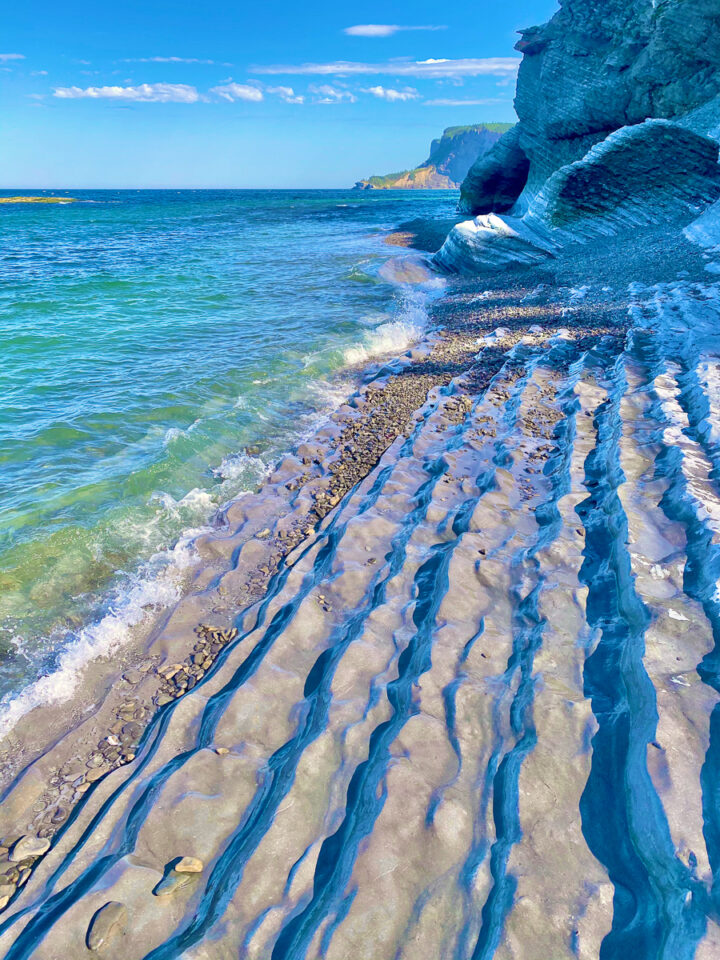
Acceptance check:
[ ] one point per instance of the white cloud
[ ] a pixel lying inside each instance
(210, 63)
(392, 96)
(238, 91)
(327, 94)
(38, 73)
(287, 94)
(428, 69)
(465, 103)
(143, 93)
(381, 29)
(4, 57)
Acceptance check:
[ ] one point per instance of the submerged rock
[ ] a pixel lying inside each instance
(109, 922)
(171, 883)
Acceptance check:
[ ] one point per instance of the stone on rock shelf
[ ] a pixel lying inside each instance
(29, 847)
(189, 865)
(109, 921)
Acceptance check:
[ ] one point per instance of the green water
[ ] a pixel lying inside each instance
(159, 351)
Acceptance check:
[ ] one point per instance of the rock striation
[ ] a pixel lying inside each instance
(619, 118)
(451, 156)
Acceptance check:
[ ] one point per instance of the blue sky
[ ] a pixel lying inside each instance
(172, 93)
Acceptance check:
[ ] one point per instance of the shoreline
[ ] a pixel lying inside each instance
(116, 696)
(480, 329)
(365, 365)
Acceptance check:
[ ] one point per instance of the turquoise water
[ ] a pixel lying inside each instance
(159, 350)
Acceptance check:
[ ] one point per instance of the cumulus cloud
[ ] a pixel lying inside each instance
(427, 69)
(238, 91)
(392, 96)
(381, 29)
(465, 103)
(4, 57)
(324, 93)
(142, 93)
(287, 94)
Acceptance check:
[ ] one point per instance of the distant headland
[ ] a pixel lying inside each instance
(38, 199)
(451, 156)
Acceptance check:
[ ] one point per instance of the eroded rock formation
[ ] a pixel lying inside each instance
(597, 68)
(599, 65)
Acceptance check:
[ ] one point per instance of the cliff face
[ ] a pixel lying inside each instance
(597, 66)
(619, 117)
(450, 159)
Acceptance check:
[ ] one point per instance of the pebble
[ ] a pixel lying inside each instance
(132, 676)
(95, 774)
(108, 922)
(222, 751)
(172, 882)
(29, 847)
(73, 769)
(189, 865)
(133, 730)
(6, 891)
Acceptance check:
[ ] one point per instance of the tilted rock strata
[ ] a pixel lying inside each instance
(641, 176)
(591, 153)
(599, 65)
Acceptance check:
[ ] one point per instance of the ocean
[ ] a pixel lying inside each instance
(160, 350)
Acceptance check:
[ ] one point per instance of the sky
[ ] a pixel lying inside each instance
(174, 93)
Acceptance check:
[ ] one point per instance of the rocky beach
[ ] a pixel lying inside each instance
(446, 684)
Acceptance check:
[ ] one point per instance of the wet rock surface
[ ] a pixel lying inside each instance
(475, 572)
